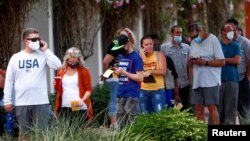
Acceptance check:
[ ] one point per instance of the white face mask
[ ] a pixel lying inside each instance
(230, 35)
(34, 45)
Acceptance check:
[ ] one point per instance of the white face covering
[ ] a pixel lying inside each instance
(34, 45)
(230, 35)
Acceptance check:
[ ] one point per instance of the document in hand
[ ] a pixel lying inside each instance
(149, 79)
(178, 105)
(75, 105)
(107, 73)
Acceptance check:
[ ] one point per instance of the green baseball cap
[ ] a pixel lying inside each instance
(119, 42)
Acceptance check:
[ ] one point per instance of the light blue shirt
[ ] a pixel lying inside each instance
(209, 49)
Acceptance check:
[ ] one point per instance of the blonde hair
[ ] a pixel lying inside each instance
(73, 52)
(130, 34)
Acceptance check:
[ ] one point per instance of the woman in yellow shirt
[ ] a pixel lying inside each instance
(152, 95)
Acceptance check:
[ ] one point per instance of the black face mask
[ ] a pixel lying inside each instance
(123, 51)
(75, 65)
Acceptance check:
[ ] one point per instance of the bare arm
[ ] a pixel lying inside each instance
(1, 81)
(131, 36)
(138, 77)
(86, 96)
(106, 60)
(234, 60)
(216, 63)
(162, 66)
(211, 63)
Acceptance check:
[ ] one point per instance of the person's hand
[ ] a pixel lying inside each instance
(102, 78)
(80, 103)
(177, 98)
(128, 30)
(147, 73)
(44, 46)
(144, 51)
(198, 61)
(119, 71)
(8, 108)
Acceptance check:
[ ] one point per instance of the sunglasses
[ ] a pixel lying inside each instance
(34, 39)
(75, 53)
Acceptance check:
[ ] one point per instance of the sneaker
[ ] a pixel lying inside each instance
(114, 127)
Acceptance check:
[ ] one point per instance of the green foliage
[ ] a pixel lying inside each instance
(100, 98)
(1, 2)
(52, 100)
(105, 5)
(245, 120)
(170, 124)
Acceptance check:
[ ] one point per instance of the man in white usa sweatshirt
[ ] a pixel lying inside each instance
(26, 77)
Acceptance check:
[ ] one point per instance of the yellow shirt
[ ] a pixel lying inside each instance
(152, 63)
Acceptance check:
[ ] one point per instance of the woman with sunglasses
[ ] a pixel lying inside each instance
(74, 88)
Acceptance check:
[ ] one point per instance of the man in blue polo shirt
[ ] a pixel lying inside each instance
(229, 77)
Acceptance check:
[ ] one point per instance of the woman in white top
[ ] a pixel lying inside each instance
(74, 87)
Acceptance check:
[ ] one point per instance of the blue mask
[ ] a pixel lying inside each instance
(178, 39)
(198, 39)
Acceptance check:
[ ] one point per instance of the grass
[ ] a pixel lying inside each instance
(70, 130)
(169, 124)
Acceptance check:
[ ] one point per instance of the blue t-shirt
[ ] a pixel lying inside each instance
(131, 63)
(229, 72)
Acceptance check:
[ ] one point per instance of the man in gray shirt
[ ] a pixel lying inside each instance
(206, 60)
(179, 53)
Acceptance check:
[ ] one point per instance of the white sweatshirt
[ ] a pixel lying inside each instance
(27, 75)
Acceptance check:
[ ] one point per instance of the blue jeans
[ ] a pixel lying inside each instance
(152, 101)
(169, 97)
(113, 88)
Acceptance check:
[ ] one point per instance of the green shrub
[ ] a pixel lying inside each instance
(170, 125)
(52, 100)
(100, 99)
(245, 120)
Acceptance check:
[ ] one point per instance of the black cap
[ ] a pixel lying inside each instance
(119, 42)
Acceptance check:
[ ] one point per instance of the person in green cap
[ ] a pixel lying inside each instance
(130, 75)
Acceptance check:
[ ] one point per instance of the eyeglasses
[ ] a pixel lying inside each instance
(34, 39)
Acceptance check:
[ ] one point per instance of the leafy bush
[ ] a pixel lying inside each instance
(170, 124)
(52, 100)
(100, 99)
(245, 120)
